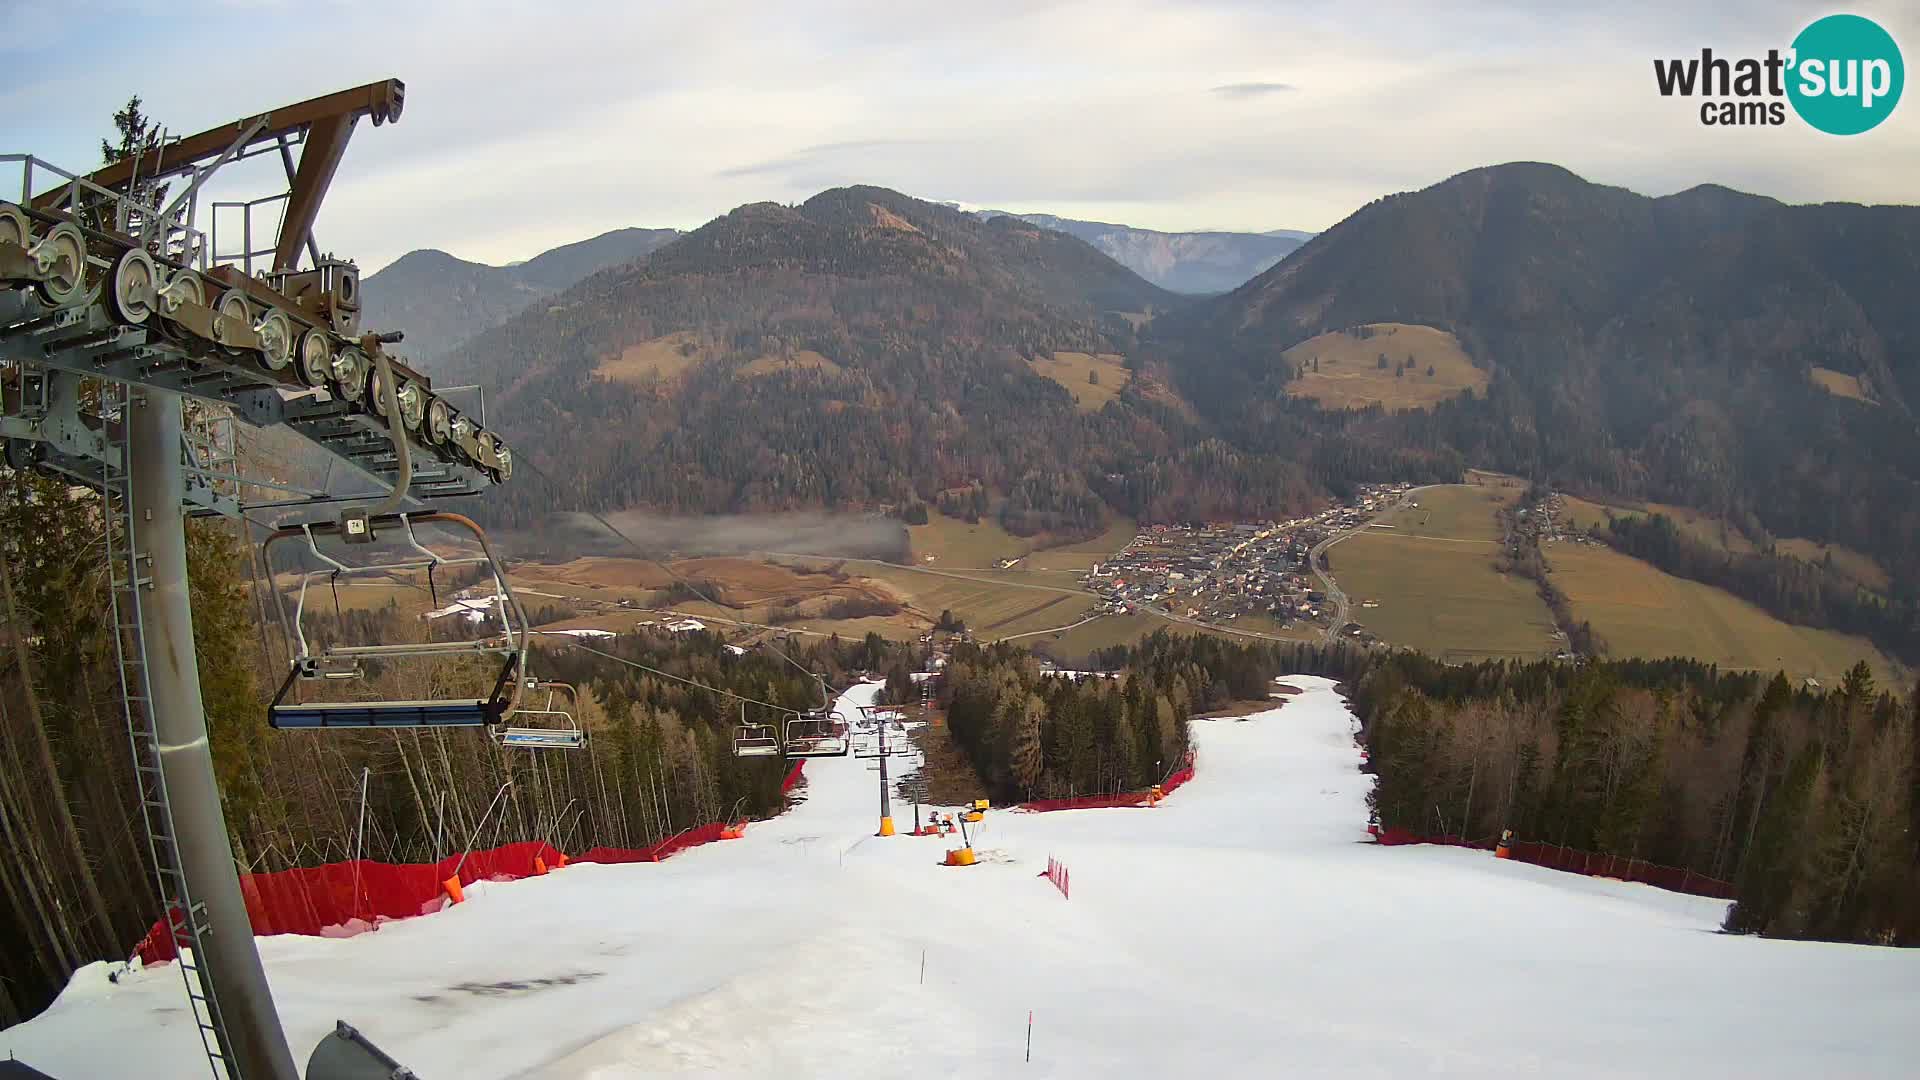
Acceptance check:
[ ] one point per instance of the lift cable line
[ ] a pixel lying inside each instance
(103, 286)
(573, 642)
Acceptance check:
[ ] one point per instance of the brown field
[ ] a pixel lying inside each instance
(1841, 385)
(802, 358)
(1434, 584)
(1070, 370)
(1350, 376)
(1858, 567)
(663, 358)
(1641, 611)
(992, 605)
(748, 591)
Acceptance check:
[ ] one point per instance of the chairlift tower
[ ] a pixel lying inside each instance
(115, 312)
(879, 715)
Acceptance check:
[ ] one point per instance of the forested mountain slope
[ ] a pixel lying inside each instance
(858, 350)
(440, 300)
(1650, 348)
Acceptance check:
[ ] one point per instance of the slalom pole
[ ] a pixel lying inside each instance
(1029, 1035)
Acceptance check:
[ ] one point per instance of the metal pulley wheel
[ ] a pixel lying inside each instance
(182, 288)
(232, 305)
(463, 439)
(350, 367)
(133, 292)
(61, 257)
(276, 340)
(14, 226)
(315, 360)
(440, 423)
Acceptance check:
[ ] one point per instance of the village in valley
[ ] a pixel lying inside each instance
(1222, 572)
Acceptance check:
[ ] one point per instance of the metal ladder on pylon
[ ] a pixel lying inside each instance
(128, 573)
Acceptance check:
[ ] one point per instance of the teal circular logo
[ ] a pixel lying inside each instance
(1846, 74)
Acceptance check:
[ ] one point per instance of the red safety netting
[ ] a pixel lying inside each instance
(1575, 861)
(344, 898)
(347, 897)
(1123, 798)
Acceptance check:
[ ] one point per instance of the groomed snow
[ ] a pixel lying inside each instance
(1242, 928)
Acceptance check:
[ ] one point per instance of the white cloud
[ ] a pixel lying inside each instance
(533, 125)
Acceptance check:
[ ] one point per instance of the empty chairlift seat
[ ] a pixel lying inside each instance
(815, 734)
(755, 740)
(337, 664)
(543, 721)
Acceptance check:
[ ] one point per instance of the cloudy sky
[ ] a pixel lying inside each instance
(530, 125)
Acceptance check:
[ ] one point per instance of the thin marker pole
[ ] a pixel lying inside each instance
(1029, 1034)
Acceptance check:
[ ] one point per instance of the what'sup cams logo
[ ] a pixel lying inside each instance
(1842, 75)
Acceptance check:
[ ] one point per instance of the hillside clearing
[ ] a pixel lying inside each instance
(946, 541)
(1582, 515)
(1860, 568)
(1350, 375)
(1840, 384)
(798, 360)
(1642, 611)
(1072, 370)
(662, 358)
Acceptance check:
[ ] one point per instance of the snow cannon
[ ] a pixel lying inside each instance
(1505, 848)
(977, 811)
(962, 856)
(1155, 794)
(733, 832)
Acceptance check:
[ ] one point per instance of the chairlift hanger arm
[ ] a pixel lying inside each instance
(381, 100)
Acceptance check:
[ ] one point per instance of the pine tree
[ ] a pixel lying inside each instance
(1029, 760)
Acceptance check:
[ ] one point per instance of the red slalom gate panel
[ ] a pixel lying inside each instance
(1575, 861)
(1057, 873)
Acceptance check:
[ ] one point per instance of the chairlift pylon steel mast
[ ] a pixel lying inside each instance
(98, 283)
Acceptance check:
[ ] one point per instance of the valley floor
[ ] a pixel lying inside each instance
(1243, 928)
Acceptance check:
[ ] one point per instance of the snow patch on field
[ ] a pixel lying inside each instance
(1242, 928)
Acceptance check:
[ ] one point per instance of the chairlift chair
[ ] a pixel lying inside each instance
(545, 726)
(342, 662)
(814, 733)
(755, 740)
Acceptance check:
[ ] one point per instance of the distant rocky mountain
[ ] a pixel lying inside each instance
(1190, 262)
(440, 300)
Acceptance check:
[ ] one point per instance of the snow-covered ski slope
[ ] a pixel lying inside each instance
(1240, 929)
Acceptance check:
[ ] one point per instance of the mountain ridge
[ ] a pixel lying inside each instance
(1196, 262)
(440, 299)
